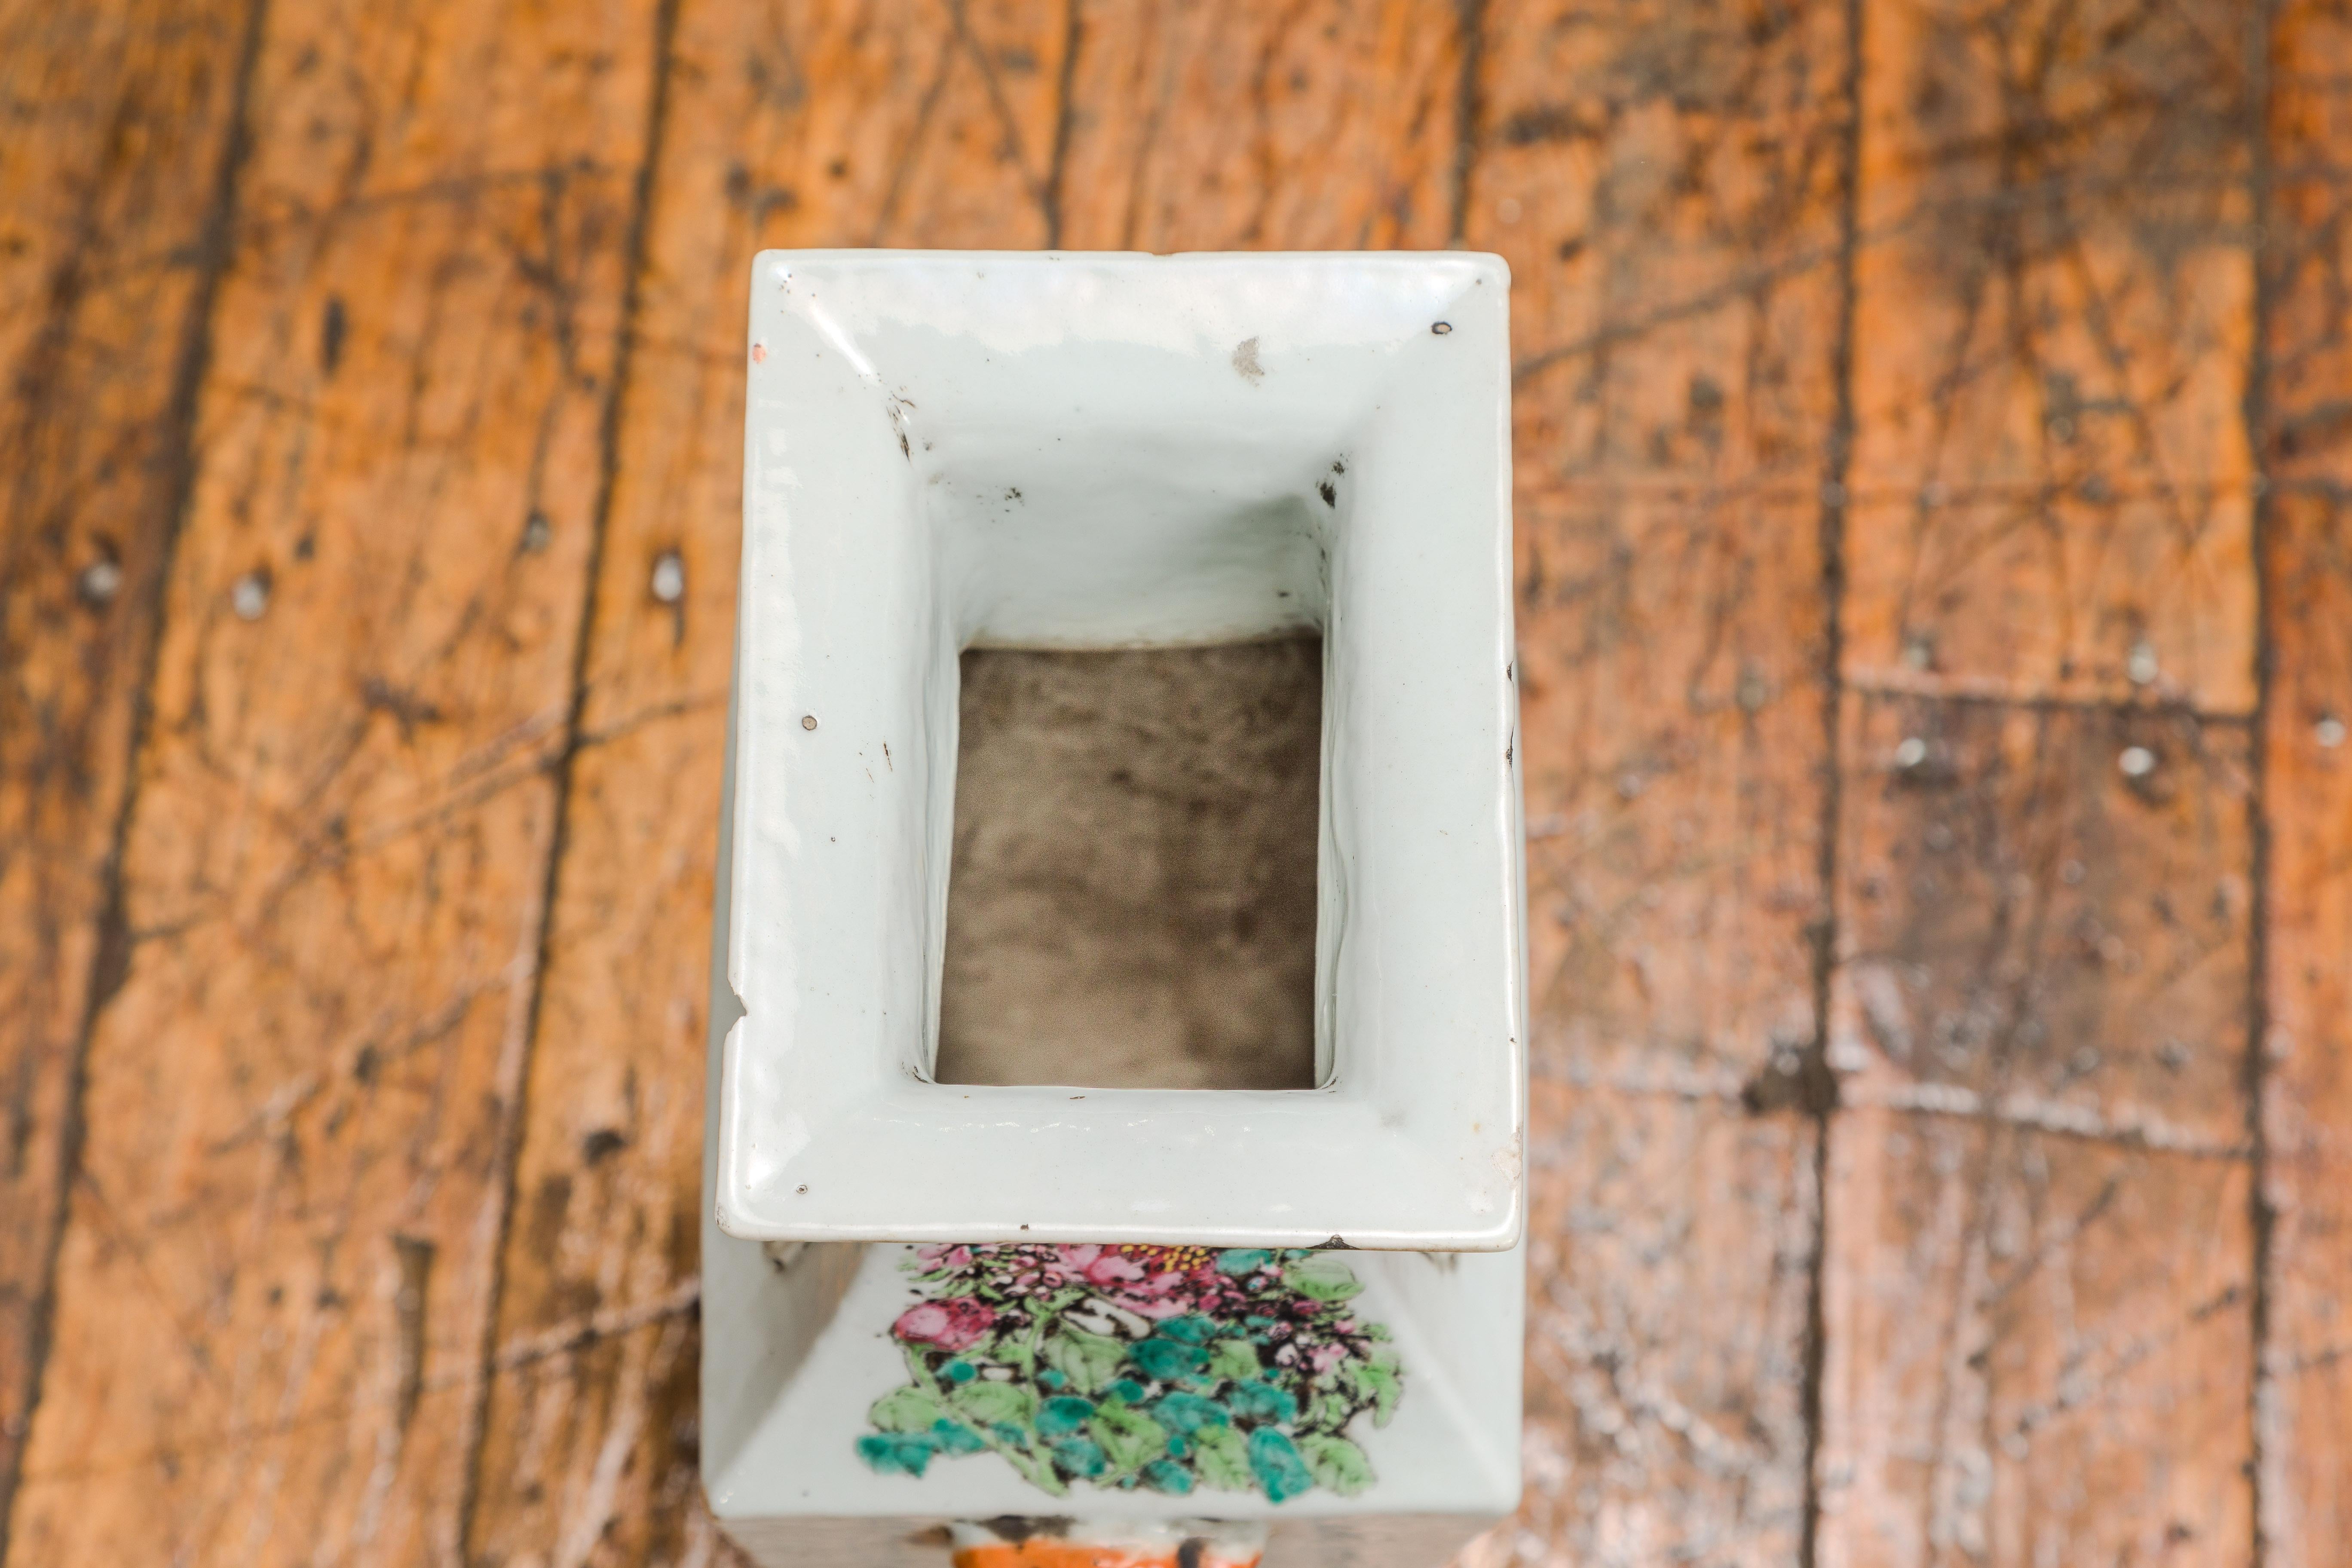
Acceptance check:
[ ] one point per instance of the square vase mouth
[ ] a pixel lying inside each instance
(948, 450)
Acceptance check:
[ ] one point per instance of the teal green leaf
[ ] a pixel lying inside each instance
(1336, 1462)
(1188, 1413)
(1193, 1329)
(1240, 1261)
(1167, 1360)
(897, 1452)
(1080, 1456)
(1164, 1475)
(1324, 1276)
(1088, 1360)
(1223, 1461)
(959, 1372)
(1255, 1401)
(1233, 1358)
(956, 1438)
(1129, 1438)
(1063, 1415)
(1279, 1467)
(906, 1410)
(991, 1404)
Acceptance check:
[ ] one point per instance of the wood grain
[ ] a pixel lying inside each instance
(2050, 477)
(1667, 183)
(2040, 1318)
(1670, 1255)
(113, 189)
(787, 124)
(2040, 1020)
(2031, 930)
(1933, 325)
(2306, 775)
(2306, 1430)
(2039, 1348)
(274, 1284)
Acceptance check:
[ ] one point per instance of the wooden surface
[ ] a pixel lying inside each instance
(1935, 432)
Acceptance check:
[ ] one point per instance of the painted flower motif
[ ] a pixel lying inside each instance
(1169, 1368)
(952, 1325)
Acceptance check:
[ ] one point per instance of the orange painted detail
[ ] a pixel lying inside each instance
(1042, 1551)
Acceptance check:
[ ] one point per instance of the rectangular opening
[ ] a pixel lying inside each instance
(1132, 893)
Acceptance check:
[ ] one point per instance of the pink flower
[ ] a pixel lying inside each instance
(950, 1325)
(1323, 1358)
(1110, 1268)
(945, 1256)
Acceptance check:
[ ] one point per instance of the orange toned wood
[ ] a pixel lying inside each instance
(275, 1287)
(110, 197)
(787, 125)
(2306, 1436)
(2040, 1303)
(2039, 1348)
(1669, 1246)
(2306, 1063)
(1235, 125)
(382, 1248)
(2051, 478)
(2029, 928)
(1666, 182)
(2039, 1279)
(1677, 389)
(2307, 247)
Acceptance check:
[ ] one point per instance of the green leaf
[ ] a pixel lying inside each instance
(1167, 1476)
(993, 1404)
(1382, 1387)
(1279, 1465)
(897, 1454)
(1336, 1462)
(1087, 1361)
(1323, 1277)
(1129, 1438)
(1234, 1359)
(1063, 1415)
(1193, 1329)
(1224, 1460)
(1079, 1457)
(1188, 1413)
(906, 1410)
(1262, 1402)
(955, 1437)
(1167, 1360)
(1240, 1261)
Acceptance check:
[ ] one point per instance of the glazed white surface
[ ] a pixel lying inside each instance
(946, 448)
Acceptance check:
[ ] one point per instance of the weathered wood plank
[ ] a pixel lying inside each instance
(787, 124)
(2045, 854)
(2053, 299)
(2029, 925)
(275, 1283)
(113, 174)
(1668, 181)
(2039, 1349)
(1670, 1250)
(2306, 1432)
(1232, 125)
(2305, 1064)
(2039, 1013)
